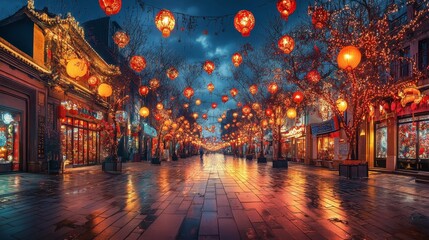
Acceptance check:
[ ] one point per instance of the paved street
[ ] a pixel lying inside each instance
(218, 198)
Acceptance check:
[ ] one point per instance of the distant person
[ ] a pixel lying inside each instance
(201, 153)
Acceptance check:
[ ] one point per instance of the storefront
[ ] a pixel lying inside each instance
(326, 139)
(293, 145)
(10, 140)
(380, 144)
(148, 142)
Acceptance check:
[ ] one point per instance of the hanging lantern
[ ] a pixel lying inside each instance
(244, 22)
(110, 7)
(209, 66)
(143, 90)
(62, 110)
(235, 115)
(253, 89)
(144, 112)
(237, 59)
(204, 116)
(286, 8)
(158, 117)
(93, 81)
(273, 87)
(286, 44)
(172, 73)
(233, 92)
(225, 98)
(121, 39)
(269, 112)
(210, 87)
(198, 102)
(138, 63)
(291, 113)
(195, 115)
(219, 120)
(165, 22)
(297, 97)
(264, 123)
(185, 105)
(159, 106)
(313, 76)
(188, 92)
(214, 105)
(319, 17)
(246, 110)
(154, 83)
(76, 68)
(223, 116)
(121, 116)
(104, 90)
(349, 58)
(239, 104)
(341, 105)
(256, 106)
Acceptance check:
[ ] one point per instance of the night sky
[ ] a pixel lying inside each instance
(212, 35)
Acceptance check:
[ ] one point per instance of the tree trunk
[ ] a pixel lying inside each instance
(279, 143)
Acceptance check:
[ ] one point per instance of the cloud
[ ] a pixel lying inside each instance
(203, 40)
(218, 52)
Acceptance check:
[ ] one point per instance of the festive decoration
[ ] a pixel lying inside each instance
(219, 120)
(93, 81)
(195, 115)
(291, 113)
(143, 90)
(244, 22)
(144, 112)
(225, 98)
(286, 8)
(210, 87)
(159, 106)
(410, 94)
(233, 92)
(253, 89)
(269, 112)
(204, 116)
(137, 63)
(198, 102)
(172, 73)
(185, 105)
(214, 105)
(158, 117)
(121, 39)
(188, 92)
(313, 76)
(319, 17)
(209, 66)
(297, 97)
(105, 90)
(110, 7)
(237, 59)
(256, 107)
(341, 105)
(235, 115)
(154, 83)
(165, 22)
(76, 68)
(273, 87)
(246, 110)
(349, 58)
(286, 44)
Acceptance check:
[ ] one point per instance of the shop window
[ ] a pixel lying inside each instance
(325, 147)
(404, 68)
(9, 141)
(423, 54)
(380, 145)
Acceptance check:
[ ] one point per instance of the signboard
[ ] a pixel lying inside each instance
(324, 127)
(294, 132)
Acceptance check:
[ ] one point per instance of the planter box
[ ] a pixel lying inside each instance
(280, 163)
(155, 161)
(249, 156)
(262, 160)
(111, 166)
(353, 170)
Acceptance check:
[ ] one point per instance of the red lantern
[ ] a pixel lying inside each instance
(237, 59)
(233, 92)
(110, 7)
(138, 63)
(319, 17)
(239, 104)
(209, 66)
(386, 106)
(93, 81)
(61, 111)
(188, 92)
(313, 76)
(210, 87)
(172, 73)
(225, 98)
(154, 83)
(121, 39)
(214, 105)
(286, 8)
(165, 22)
(268, 112)
(204, 116)
(273, 88)
(253, 89)
(286, 44)
(393, 106)
(244, 22)
(158, 117)
(246, 109)
(297, 97)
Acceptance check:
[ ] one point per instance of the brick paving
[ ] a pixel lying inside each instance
(218, 198)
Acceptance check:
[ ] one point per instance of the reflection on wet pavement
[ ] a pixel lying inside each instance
(217, 198)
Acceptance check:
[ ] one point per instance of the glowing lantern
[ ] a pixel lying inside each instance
(225, 98)
(264, 123)
(172, 73)
(297, 97)
(219, 120)
(104, 90)
(195, 115)
(319, 17)
(233, 92)
(144, 112)
(256, 106)
(76, 68)
(165, 22)
(341, 105)
(291, 113)
(246, 110)
(239, 104)
(273, 88)
(210, 87)
(204, 116)
(253, 89)
(223, 115)
(198, 102)
(237, 59)
(244, 22)
(313, 76)
(214, 105)
(209, 66)
(158, 117)
(349, 58)
(185, 105)
(286, 8)
(137, 63)
(235, 115)
(159, 106)
(286, 44)
(143, 90)
(154, 83)
(269, 112)
(188, 92)
(93, 81)
(110, 7)
(121, 39)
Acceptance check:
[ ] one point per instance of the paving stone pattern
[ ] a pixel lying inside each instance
(217, 198)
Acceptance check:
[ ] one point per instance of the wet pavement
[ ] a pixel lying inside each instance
(217, 198)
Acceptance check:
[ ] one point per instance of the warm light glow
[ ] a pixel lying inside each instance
(121, 39)
(286, 44)
(214, 105)
(204, 116)
(341, 105)
(195, 115)
(104, 90)
(76, 68)
(159, 106)
(154, 83)
(297, 97)
(165, 22)
(172, 73)
(209, 67)
(319, 17)
(210, 87)
(233, 92)
(291, 113)
(313, 76)
(236, 59)
(253, 89)
(144, 112)
(349, 58)
(93, 81)
(246, 109)
(138, 63)
(225, 98)
(244, 22)
(286, 8)
(198, 102)
(110, 7)
(143, 90)
(273, 88)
